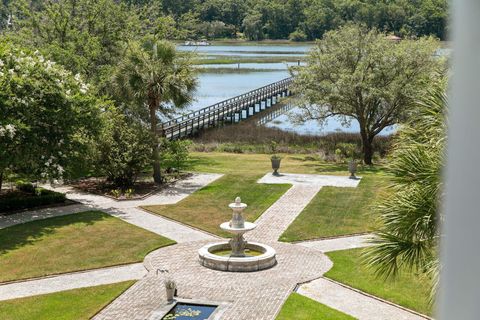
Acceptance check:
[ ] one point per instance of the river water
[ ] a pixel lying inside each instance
(219, 82)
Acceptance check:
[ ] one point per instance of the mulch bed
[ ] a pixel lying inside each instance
(141, 189)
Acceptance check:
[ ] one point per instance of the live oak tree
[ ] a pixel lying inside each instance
(155, 80)
(356, 74)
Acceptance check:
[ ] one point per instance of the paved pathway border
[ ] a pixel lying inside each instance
(340, 243)
(251, 295)
(276, 219)
(127, 211)
(354, 302)
(70, 281)
(258, 295)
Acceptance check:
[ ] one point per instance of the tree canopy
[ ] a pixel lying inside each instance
(47, 114)
(273, 19)
(357, 74)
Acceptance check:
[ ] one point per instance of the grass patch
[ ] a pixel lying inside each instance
(73, 242)
(259, 164)
(78, 304)
(299, 307)
(408, 289)
(338, 211)
(207, 208)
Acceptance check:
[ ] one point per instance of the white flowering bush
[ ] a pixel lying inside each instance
(47, 114)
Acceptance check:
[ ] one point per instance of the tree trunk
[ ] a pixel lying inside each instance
(157, 174)
(1, 181)
(367, 145)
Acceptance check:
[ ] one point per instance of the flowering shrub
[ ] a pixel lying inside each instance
(47, 114)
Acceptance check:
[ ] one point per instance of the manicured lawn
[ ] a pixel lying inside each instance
(208, 208)
(408, 290)
(231, 163)
(299, 307)
(78, 304)
(74, 242)
(338, 211)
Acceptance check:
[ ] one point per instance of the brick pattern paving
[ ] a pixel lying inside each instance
(27, 216)
(74, 280)
(273, 222)
(252, 296)
(127, 211)
(256, 295)
(353, 302)
(340, 243)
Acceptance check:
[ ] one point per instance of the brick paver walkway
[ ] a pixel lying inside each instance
(276, 219)
(354, 303)
(72, 281)
(251, 295)
(257, 295)
(127, 211)
(340, 243)
(273, 222)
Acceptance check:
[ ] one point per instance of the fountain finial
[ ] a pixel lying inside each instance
(238, 200)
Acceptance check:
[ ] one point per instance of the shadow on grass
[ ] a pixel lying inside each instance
(194, 162)
(20, 235)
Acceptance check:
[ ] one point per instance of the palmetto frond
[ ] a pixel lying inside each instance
(156, 75)
(410, 214)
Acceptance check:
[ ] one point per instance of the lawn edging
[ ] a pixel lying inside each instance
(109, 302)
(378, 298)
(179, 222)
(328, 238)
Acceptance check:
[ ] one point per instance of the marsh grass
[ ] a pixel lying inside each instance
(248, 137)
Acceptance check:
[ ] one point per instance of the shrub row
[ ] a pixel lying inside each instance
(40, 197)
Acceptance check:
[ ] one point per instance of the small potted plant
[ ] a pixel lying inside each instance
(352, 164)
(170, 288)
(275, 159)
(352, 168)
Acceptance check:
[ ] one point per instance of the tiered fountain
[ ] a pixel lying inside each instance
(237, 254)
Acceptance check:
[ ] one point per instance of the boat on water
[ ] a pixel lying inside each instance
(202, 42)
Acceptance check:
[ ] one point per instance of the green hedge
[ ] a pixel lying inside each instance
(41, 197)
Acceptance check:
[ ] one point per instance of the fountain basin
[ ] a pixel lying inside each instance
(248, 226)
(266, 259)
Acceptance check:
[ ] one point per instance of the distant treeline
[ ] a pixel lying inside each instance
(296, 20)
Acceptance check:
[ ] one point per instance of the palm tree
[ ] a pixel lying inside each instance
(410, 215)
(158, 79)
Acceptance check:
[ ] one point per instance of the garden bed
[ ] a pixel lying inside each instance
(13, 201)
(140, 190)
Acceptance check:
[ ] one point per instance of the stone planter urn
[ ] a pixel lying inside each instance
(170, 288)
(352, 168)
(276, 164)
